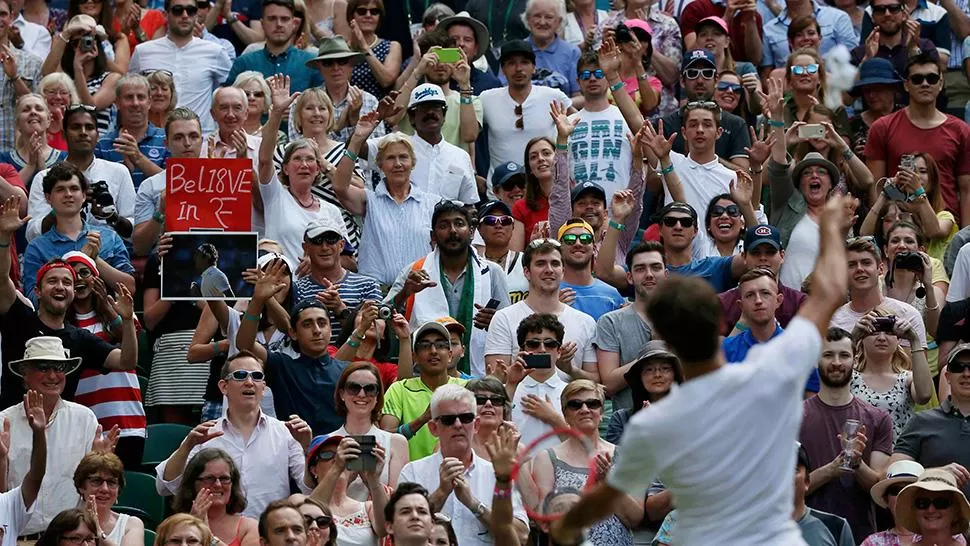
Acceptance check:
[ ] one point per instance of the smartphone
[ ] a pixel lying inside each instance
(366, 461)
(537, 361)
(87, 43)
(884, 324)
(449, 55)
(893, 193)
(908, 162)
(813, 130)
(492, 304)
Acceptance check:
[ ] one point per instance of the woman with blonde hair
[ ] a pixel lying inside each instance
(885, 376)
(805, 80)
(257, 94)
(183, 529)
(59, 92)
(934, 508)
(99, 478)
(31, 152)
(161, 93)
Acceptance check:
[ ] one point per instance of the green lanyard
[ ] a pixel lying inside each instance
(407, 9)
(505, 22)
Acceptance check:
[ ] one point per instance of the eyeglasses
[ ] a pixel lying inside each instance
(918, 79)
(548, 343)
(255, 94)
(571, 238)
(74, 539)
(209, 481)
(802, 69)
(493, 220)
(658, 369)
(536, 243)
(437, 345)
(242, 375)
(328, 238)
(894, 8)
(354, 389)
(728, 86)
(591, 403)
(178, 10)
(694, 73)
(374, 12)
(518, 112)
(732, 210)
(587, 74)
(84, 273)
(331, 62)
(940, 503)
(957, 367)
(684, 221)
(448, 420)
(98, 481)
(321, 521)
(495, 399)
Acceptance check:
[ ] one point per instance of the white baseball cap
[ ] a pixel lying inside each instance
(426, 92)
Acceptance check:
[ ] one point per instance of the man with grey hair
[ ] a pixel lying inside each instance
(135, 142)
(460, 482)
(230, 108)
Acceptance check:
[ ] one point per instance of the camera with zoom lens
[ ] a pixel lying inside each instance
(622, 34)
(103, 204)
(385, 311)
(910, 261)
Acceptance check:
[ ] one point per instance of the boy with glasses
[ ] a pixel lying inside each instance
(921, 127)
(460, 482)
(535, 395)
(407, 402)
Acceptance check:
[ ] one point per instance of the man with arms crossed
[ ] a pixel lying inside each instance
(712, 417)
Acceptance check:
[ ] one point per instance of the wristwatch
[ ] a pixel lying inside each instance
(233, 18)
(479, 510)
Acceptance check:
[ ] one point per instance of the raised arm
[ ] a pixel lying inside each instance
(37, 419)
(353, 198)
(279, 87)
(126, 358)
(10, 222)
(609, 56)
(270, 282)
(560, 208)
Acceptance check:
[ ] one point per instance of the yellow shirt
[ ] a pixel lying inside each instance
(406, 400)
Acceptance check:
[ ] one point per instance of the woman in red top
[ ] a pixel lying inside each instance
(528, 212)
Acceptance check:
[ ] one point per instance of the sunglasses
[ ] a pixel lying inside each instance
(368, 11)
(801, 70)
(728, 86)
(256, 94)
(321, 521)
(587, 74)
(150, 73)
(685, 221)
(331, 62)
(79, 107)
(328, 238)
(895, 8)
(354, 389)
(592, 403)
(694, 73)
(44, 367)
(448, 420)
(732, 210)
(496, 400)
(325, 455)
(957, 367)
(548, 343)
(242, 375)
(518, 112)
(492, 220)
(536, 243)
(571, 238)
(515, 182)
(179, 10)
(940, 503)
(918, 79)
(702, 105)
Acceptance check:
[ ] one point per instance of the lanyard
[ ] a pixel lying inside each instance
(505, 21)
(407, 9)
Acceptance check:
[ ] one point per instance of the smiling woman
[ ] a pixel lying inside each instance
(99, 479)
(211, 490)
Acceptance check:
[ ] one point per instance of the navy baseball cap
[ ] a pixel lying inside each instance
(698, 56)
(762, 235)
(491, 206)
(505, 171)
(585, 187)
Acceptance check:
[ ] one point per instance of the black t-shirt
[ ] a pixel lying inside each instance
(19, 324)
(954, 325)
(729, 145)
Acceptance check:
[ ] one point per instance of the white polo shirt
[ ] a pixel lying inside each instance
(120, 186)
(481, 479)
(442, 169)
(529, 426)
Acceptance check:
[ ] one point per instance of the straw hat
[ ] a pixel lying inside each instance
(934, 480)
(904, 472)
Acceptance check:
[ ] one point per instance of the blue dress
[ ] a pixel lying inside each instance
(363, 77)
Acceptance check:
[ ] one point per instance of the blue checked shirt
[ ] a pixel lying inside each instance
(153, 146)
(836, 29)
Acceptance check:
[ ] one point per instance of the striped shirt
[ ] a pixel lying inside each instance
(395, 235)
(353, 288)
(114, 397)
(28, 67)
(323, 188)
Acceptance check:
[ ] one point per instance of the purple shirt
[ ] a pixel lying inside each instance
(792, 300)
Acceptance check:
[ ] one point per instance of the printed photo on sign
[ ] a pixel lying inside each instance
(204, 193)
(208, 266)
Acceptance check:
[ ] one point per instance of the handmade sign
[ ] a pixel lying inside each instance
(206, 193)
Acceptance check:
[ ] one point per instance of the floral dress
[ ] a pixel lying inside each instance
(896, 401)
(608, 531)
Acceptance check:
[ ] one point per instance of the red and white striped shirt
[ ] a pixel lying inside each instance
(114, 397)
